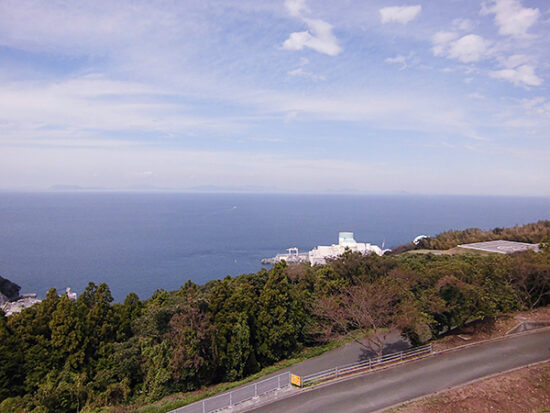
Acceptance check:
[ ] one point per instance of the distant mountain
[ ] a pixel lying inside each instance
(241, 188)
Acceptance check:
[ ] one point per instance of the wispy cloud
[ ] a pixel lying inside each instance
(319, 35)
(523, 75)
(476, 95)
(399, 14)
(94, 103)
(462, 24)
(300, 72)
(155, 84)
(399, 60)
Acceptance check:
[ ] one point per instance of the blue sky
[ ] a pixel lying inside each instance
(448, 97)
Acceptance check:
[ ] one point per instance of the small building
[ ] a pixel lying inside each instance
(72, 296)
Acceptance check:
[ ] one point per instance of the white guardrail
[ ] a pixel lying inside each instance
(237, 396)
(364, 365)
(260, 388)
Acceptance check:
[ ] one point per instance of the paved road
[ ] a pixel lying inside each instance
(379, 390)
(346, 354)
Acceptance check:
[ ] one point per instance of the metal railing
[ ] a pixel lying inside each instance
(365, 365)
(260, 388)
(237, 396)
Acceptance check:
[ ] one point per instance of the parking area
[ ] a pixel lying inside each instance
(501, 246)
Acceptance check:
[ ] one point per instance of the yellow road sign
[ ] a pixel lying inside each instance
(296, 380)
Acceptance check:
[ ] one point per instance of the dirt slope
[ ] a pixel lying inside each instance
(526, 390)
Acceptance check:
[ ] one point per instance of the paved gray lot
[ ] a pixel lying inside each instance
(501, 246)
(379, 390)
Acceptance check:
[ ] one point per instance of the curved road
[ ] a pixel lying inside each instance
(383, 389)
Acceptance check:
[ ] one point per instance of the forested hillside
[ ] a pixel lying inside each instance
(531, 233)
(68, 356)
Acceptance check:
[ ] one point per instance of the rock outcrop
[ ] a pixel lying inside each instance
(9, 291)
(11, 301)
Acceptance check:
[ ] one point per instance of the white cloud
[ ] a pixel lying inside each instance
(300, 72)
(522, 76)
(297, 40)
(467, 49)
(399, 14)
(511, 17)
(319, 37)
(296, 7)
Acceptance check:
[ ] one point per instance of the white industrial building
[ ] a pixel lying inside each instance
(320, 254)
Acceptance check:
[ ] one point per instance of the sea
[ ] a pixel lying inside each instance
(141, 242)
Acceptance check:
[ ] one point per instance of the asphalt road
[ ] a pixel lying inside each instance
(378, 390)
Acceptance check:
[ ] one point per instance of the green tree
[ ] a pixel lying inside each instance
(68, 335)
(11, 362)
(191, 340)
(32, 329)
(278, 329)
(126, 314)
(239, 350)
(99, 315)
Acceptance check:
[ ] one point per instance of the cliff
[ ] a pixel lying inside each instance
(9, 291)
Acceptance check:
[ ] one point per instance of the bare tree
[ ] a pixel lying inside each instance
(377, 308)
(530, 276)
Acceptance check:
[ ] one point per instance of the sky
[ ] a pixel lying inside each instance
(327, 96)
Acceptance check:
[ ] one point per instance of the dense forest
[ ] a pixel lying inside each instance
(68, 356)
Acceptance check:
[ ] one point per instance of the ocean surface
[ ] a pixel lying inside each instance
(141, 242)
